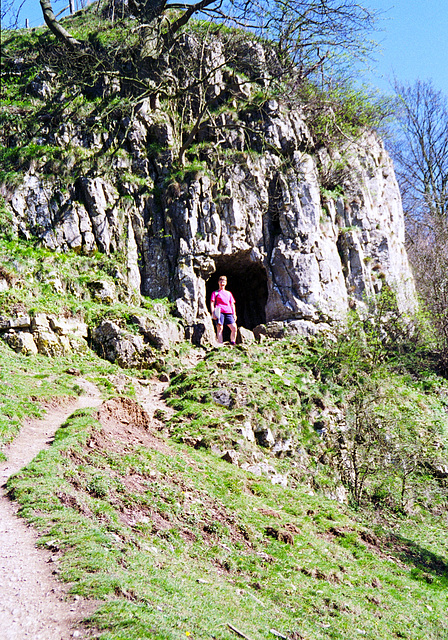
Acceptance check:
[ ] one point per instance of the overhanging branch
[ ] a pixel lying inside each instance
(54, 26)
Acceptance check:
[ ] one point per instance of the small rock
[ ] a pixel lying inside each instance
(222, 397)
(231, 456)
(103, 291)
(265, 437)
(246, 431)
(215, 450)
(73, 372)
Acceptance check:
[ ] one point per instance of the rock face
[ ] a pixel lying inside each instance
(140, 351)
(48, 335)
(302, 233)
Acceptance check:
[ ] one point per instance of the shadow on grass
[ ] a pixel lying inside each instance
(427, 563)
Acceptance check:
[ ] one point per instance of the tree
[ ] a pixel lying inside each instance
(427, 250)
(310, 32)
(385, 445)
(297, 36)
(55, 27)
(306, 32)
(420, 152)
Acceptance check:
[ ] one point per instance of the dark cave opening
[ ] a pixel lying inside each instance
(248, 282)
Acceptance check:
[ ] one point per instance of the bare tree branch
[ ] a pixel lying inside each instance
(55, 27)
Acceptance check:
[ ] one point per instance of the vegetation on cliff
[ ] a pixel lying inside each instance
(207, 71)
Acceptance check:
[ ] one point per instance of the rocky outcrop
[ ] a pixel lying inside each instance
(45, 334)
(54, 336)
(142, 350)
(302, 232)
(122, 347)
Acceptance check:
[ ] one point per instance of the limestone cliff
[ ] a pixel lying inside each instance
(303, 232)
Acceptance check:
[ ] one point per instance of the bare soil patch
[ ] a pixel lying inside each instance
(125, 423)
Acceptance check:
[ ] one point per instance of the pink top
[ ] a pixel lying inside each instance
(223, 299)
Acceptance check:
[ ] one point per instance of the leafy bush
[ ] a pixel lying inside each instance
(336, 112)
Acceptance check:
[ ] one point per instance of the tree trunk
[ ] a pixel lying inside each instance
(54, 26)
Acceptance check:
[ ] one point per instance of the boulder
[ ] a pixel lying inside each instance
(159, 332)
(49, 344)
(71, 327)
(246, 431)
(125, 349)
(20, 323)
(245, 336)
(40, 322)
(103, 291)
(21, 342)
(55, 282)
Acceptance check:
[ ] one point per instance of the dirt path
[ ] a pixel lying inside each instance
(33, 604)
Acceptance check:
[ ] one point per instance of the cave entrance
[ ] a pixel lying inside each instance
(248, 282)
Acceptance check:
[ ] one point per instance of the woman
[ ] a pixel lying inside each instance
(223, 310)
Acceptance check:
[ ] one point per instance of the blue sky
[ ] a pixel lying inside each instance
(413, 39)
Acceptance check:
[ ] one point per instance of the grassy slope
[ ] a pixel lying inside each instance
(177, 541)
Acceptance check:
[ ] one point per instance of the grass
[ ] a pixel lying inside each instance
(188, 549)
(172, 540)
(28, 381)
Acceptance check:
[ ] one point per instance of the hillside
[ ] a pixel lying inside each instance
(292, 486)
